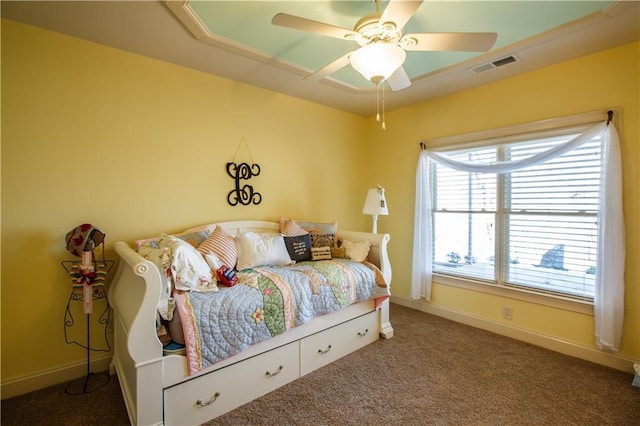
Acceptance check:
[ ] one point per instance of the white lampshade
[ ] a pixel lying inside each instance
(378, 61)
(375, 204)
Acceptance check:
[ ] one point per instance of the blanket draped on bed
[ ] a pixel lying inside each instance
(268, 301)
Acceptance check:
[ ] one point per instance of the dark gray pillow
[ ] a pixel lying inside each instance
(299, 248)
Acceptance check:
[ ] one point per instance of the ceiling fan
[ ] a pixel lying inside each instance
(383, 45)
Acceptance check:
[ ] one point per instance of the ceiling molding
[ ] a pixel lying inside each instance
(154, 29)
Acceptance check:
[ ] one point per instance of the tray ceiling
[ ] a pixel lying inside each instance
(235, 39)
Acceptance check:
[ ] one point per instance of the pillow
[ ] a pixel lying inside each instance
(213, 261)
(188, 268)
(161, 257)
(321, 253)
(338, 252)
(322, 234)
(222, 245)
(357, 252)
(289, 228)
(299, 248)
(260, 249)
(194, 237)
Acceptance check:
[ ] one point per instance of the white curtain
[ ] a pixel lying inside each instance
(608, 302)
(609, 293)
(421, 273)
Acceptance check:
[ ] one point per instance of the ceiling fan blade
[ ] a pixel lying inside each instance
(399, 12)
(399, 80)
(329, 69)
(467, 42)
(304, 24)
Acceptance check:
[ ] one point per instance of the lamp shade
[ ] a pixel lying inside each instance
(378, 61)
(375, 203)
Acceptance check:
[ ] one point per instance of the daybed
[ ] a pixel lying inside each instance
(160, 388)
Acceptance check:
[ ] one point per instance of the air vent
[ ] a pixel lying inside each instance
(495, 64)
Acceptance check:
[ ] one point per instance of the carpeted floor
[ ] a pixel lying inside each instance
(433, 372)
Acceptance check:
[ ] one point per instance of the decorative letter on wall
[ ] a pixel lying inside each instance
(243, 194)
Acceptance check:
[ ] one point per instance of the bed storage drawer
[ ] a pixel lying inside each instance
(325, 347)
(213, 394)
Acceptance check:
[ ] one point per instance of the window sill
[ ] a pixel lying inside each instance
(582, 307)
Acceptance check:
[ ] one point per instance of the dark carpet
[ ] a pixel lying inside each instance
(432, 372)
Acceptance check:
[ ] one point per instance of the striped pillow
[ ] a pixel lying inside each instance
(222, 245)
(289, 228)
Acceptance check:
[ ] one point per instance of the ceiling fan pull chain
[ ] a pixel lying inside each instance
(378, 102)
(384, 126)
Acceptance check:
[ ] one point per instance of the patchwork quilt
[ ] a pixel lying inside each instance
(268, 301)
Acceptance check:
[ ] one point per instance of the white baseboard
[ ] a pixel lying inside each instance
(573, 349)
(54, 376)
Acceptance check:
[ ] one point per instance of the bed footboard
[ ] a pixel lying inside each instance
(137, 359)
(377, 255)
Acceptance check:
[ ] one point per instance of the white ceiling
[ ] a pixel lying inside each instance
(150, 28)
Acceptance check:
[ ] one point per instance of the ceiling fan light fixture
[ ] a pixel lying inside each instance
(378, 61)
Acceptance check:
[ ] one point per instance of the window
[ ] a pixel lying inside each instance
(534, 228)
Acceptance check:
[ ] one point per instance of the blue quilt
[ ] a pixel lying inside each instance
(268, 301)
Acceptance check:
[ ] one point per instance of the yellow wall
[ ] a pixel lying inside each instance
(137, 146)
(596, 82)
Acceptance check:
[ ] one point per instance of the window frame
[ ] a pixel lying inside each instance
(494, 137)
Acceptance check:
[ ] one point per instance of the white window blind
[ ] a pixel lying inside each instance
(535, 228)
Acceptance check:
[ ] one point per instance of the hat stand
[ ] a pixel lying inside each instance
(83, 291)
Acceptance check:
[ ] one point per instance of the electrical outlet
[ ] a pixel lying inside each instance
(507, 312)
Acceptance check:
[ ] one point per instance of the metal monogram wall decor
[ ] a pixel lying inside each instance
(243, 194)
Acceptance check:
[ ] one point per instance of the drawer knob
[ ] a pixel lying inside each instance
(363, 334)
(320, 351)
(209, 402)
(270, 374)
